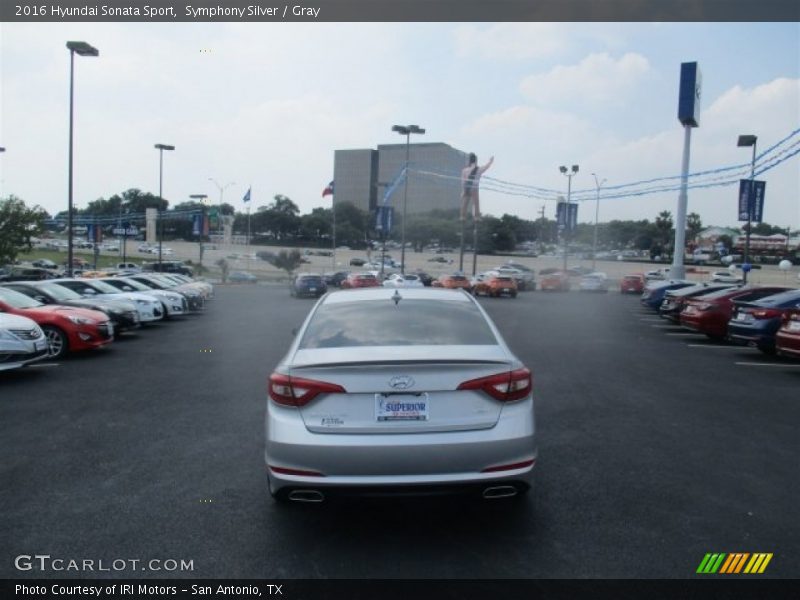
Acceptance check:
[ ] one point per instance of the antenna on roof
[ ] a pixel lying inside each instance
(397, 297)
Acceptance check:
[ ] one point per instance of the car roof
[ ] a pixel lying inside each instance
(386, 294)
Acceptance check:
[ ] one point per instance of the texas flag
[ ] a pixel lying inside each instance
(328, 190)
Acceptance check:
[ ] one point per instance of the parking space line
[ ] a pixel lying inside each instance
(665, 326)
(716, 346)
(783, 365)
(43, 365)
(681, 333)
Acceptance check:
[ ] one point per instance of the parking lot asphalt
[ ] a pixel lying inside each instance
(655, 448)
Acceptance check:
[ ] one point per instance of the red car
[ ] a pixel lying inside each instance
(632, 284)
(710, 314)
(787, 340)
(554, 280)
(360, 280)
(452, 282)
(67, 328)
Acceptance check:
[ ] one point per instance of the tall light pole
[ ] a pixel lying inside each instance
(568, 175)
(745, 141)
(161, 148)
(598, 184)
(221, 189)
(405, 130)
(81, 49)
(202, 199)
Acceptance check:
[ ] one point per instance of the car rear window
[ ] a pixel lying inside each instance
(310, 279)
(782, 299)
(412, 322)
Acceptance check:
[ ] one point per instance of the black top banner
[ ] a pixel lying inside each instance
(399, 11)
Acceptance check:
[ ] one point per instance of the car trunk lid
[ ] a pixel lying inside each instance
(388, 392)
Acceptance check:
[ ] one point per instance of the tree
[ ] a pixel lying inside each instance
(225, 268)
(693, 226)
(288, 261)
(18, 224)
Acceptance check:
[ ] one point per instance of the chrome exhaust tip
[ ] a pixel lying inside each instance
(499, 491)
(306, 496)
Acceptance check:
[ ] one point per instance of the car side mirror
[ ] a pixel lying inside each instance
(41, 299)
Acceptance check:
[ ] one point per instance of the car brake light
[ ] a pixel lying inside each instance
(704, 305)
(506, 387)
(295, 391)
(765, 313)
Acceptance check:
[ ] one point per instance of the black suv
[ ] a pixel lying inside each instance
(168, 266)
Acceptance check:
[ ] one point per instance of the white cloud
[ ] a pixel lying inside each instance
(597, 79)
(510, 41)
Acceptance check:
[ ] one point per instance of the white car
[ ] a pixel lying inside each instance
(657, 275)
(403, 281)
(726, 277)
(22, 342)
(594, 282)
(173, 303)
(148, 306)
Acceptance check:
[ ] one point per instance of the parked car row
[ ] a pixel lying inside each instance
(54, 317)
(764, 317)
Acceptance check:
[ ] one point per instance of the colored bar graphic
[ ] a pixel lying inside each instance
(758, 563)
(734, 563)
(711, 563)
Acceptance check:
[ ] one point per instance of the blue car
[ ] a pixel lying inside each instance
(756, 323)
(308, 284)
(654, 293)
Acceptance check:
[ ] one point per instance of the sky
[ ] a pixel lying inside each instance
(265, 105)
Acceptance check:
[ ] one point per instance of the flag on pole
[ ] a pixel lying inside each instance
(246, 196)
(328, 190)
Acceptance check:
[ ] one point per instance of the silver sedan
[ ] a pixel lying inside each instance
(399, 390)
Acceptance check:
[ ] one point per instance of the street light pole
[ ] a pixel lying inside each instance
(743, 142)
(405, 130)
(161, 148)
(596, 219)
(221, 189)
(202, 199)
(82, 49)
(568, 175)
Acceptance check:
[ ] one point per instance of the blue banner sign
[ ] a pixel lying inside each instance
(751, 206)
(383, 218)
(567, 215)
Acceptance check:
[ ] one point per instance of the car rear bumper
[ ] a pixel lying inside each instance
(397, 460)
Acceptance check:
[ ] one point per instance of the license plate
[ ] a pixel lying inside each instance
(402, 407)
(110, 330)
(506, 290)
(793, 326)
(740, 317)
(42, 344)
(312, 289)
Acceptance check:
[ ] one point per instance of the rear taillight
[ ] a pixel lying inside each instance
(766, 313)
(295, 391)
(506, 387)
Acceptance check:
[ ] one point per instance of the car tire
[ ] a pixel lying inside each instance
(57, 342)
(768, 350)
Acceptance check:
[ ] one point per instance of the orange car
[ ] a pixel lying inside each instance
(452, 282)
(555, 280)
(494, 284)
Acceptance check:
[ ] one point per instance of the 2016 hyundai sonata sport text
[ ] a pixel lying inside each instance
(398, 391)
